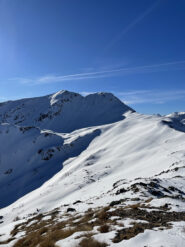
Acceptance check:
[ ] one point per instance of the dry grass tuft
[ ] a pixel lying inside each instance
(48, 236)
(47, 243)
(90, 242)
(103, 214)
(104, 228)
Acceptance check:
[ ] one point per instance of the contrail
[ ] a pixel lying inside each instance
(116, 70)
(99, 74)
(132, 24)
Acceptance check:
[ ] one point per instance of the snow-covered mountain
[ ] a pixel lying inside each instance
(71, 164)
(30, 154)
(64, 111)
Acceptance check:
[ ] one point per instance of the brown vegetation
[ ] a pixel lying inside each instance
(47, 232)
(104, 228)
(90, 242)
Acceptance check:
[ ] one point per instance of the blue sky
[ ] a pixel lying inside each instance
(135, 49)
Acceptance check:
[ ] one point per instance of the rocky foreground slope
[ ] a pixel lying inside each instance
(89, 171)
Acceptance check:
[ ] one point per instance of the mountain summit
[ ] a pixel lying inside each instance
(64, 111)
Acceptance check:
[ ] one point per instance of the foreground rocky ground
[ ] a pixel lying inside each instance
(129, 209)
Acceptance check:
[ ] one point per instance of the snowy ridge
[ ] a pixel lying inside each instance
(127, 165)
(64, 111)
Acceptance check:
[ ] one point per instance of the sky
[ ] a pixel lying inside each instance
(134, 49)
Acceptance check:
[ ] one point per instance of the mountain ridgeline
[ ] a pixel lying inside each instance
(64, 111)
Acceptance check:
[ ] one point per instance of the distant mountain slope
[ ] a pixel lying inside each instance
(29, 157)
(64, 111)
(176, 120)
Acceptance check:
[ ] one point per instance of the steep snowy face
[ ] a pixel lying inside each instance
(64, 111)
(23, 155)
(29, 157)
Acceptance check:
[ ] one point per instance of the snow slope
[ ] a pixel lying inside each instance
(91, 162)
(29, 157)
(138, 146)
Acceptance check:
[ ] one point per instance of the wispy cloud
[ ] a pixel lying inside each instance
(150, 96)
(132, 24)
(175, 65)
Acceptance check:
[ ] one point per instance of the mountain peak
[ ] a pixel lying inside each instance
(64, 111)
(62, 95)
